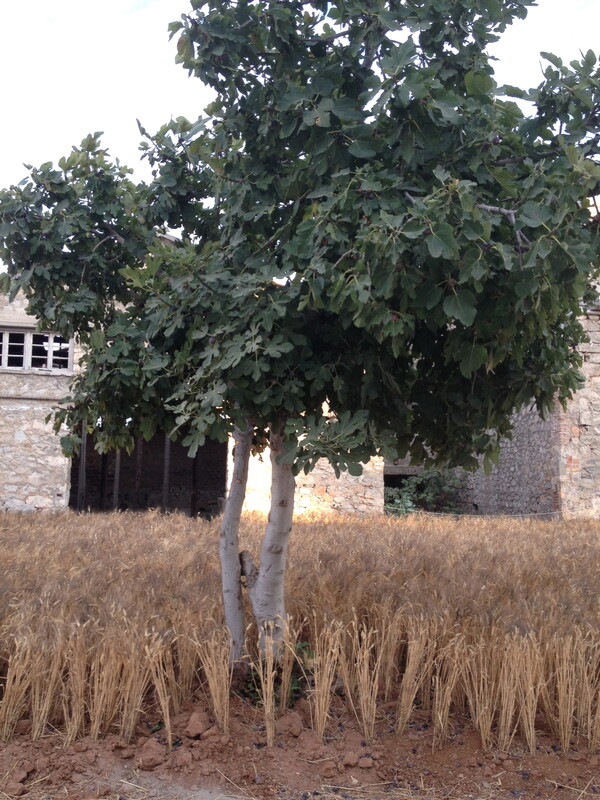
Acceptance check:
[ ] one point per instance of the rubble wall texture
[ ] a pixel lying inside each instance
(320, 490)
(526, 479)
(34, 474)
(15, 313)
(579, 462)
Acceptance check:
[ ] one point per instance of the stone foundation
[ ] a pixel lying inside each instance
(34, 474)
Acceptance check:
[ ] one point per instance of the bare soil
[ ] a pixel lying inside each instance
(203, 763)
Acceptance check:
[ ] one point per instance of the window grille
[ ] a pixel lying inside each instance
(28, 350)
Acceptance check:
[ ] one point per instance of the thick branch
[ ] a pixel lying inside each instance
(509, 213)
(267, 593)
(229, 542)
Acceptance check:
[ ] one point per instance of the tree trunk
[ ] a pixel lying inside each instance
(267, 591)
(229, 543)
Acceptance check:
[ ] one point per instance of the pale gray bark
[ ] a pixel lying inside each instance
(267, 590)
(229, 543)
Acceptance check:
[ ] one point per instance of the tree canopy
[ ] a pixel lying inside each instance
(432, 242)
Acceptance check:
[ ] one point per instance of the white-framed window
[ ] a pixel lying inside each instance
(21, 349)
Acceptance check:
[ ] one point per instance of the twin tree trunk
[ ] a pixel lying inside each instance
(265, 583)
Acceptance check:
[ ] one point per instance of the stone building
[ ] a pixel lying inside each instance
(550, 467)
(34, 373)
(35, 368)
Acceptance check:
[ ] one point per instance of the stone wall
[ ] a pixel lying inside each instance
(320, 490)
(34, 474)
(526, 479)
(580, 435)
(15, 313)
(552, 465)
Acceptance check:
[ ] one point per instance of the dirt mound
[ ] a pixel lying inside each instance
(203, 762)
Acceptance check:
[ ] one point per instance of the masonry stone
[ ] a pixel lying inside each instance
(552, 466)
(320, 490)
(34, 474)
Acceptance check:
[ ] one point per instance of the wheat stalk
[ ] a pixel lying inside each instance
(214, 657)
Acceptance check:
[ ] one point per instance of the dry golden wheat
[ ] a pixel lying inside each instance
(324, 664)
(265, 666)
(214, 656)
(104, 615)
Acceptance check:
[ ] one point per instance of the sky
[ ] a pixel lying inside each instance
(72, 67)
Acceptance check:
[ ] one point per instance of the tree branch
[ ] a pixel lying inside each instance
(113, 232)
(510, 213)
(101, 242)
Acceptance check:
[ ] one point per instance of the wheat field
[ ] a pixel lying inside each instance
(103, 615)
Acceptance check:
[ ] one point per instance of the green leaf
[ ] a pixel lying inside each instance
(441, 174)
(288, 128)
(441, 241)
(506, 180)
(362, 148)
(355, 469)
(461, 306)
(513, 91)
(474, 358)
(428, 296)
(400, 56)
(478, 83)
(347, 110)
(552, 59)
(534, 214)
(507, 254)
(322, 191)
(310, 117)
(490, 460)
(414, 229)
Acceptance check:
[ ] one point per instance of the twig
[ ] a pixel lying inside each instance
(239, 788)
(135, 786)
(582, 792)
(342, 257)
(101, 242)
(501, 162)
(38, 780)
(363, 788)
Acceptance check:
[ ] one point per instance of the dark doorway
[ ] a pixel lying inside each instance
(396, 480)
(395, 473)
(157, 474)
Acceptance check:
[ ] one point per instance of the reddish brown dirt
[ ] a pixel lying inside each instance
(299, 766)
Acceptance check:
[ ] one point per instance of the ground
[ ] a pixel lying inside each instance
(204, 763)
